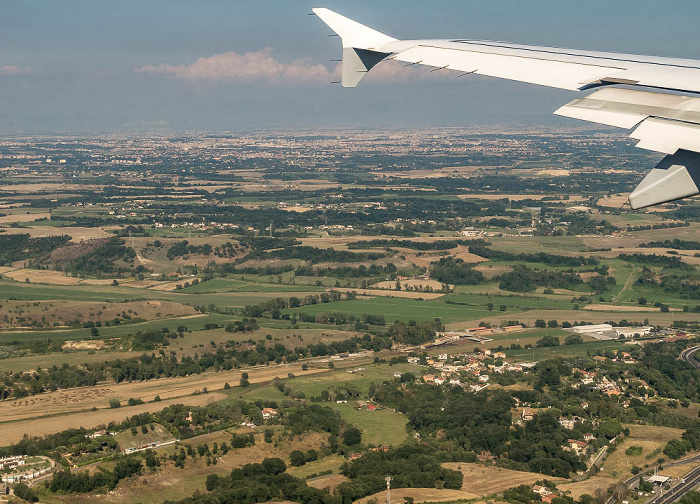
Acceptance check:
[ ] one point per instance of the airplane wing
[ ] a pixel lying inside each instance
(662, 115)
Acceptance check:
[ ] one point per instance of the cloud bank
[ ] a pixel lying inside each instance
(14, 70)
(261, 66)
(248, 67)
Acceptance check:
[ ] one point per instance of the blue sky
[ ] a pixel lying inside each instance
(91, 65)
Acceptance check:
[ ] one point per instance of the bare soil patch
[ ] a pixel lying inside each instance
(330, 481)
(484, 480)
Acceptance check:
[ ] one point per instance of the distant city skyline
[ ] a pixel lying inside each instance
(90, 66)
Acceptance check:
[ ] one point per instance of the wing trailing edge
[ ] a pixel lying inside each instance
(661, 120)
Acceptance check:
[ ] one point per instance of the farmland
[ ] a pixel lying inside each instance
(353, 307)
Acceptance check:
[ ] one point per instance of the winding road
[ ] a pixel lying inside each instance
(688, 355)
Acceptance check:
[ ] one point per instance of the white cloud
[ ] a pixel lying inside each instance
(14, 70)
(252, 66)
(262, 66)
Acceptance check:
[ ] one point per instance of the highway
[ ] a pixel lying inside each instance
(689, 481)
(688, 355)
(694, 475)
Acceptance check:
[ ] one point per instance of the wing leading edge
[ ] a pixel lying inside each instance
(662, 122)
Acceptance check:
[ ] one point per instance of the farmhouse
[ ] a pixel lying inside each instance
(12, 462)
(577, 446)
(268, 413)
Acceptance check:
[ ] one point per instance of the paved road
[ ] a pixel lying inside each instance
(635, 479)
(689, 481)
(688, 355)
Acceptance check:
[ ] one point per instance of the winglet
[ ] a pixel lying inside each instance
(676, 176)
(361, 45)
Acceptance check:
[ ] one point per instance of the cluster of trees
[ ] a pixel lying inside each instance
(103, 261)
(274, 307)
(83, 482)
(676, 243)
(132, 231)
(524, 279)
(23, 384)
(18, 247)
(314, 255)
(482, 250)
(415, 333)
(670, 262)
(337, 318)
(409, 465)
(183, 247)
(161, 365)
(469, 423)
(263, 482)
(244, 325)
(373, 270)
(672, 378)
(455, 271)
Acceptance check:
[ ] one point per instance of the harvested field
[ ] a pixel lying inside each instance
(614, 201)
(420, 495)
(38, 276)
(13, 432)
(24, 217)
(77, 233)
(62, 403)
(484, 480)
(60, 313)
(588, 486)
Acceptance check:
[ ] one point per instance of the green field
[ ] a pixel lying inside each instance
(400, 309)
(378, 427)
(582, 350)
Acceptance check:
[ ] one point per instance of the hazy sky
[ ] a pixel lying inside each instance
(92, 65)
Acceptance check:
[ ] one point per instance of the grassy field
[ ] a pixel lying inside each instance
(193, 322)
(399, 309)
(647, 439)
(331, 463)
(175, 484)
(564, 350)
(156, 432)
(378, 427)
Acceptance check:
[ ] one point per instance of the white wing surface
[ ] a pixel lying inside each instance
(663, 119)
